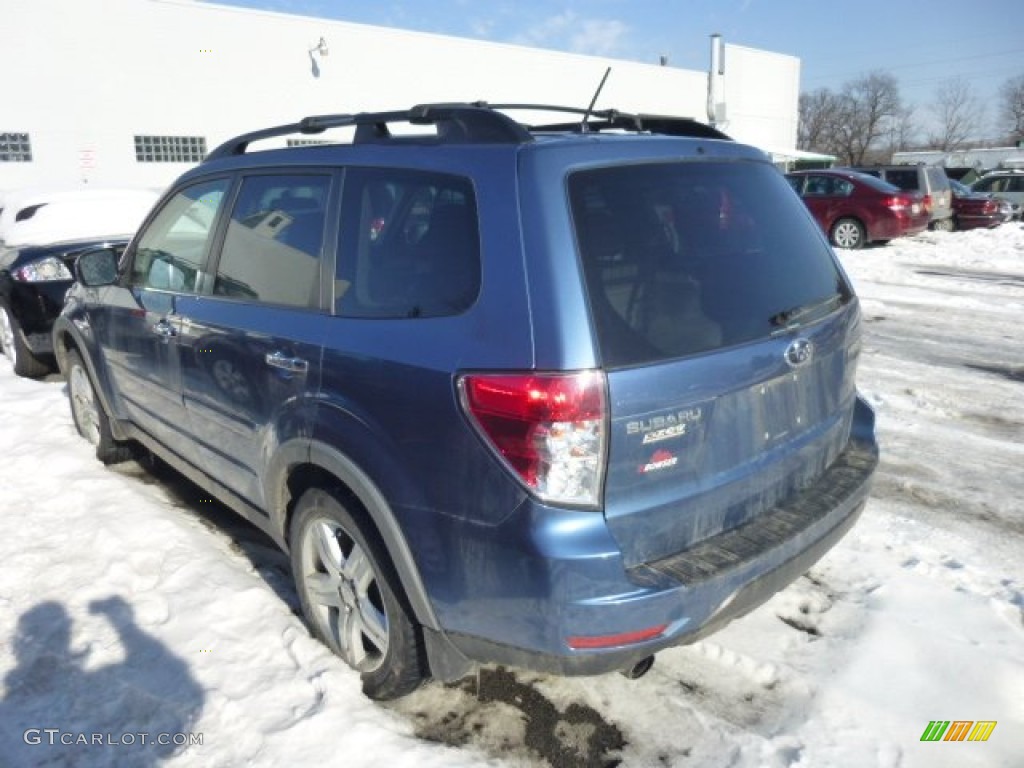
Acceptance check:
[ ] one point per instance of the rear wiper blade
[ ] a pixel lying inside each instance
(790, 317)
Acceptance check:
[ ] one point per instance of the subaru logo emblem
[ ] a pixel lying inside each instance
(799, 352)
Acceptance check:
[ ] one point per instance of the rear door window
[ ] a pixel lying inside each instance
(273, 247)
(680, 258)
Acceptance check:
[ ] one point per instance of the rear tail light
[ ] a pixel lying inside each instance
(549, 430)
(897, 203)
(928, 203)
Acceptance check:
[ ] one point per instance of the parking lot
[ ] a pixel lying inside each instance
(134, 604)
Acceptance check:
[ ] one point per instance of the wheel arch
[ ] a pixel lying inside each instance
(314, 464)
(66, 339)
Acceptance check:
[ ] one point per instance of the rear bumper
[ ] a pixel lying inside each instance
(690, 593)
(976, 221)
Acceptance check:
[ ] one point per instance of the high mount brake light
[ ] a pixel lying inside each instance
(549, 429)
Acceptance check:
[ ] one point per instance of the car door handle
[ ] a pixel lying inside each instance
(285, 363)
(164, 329)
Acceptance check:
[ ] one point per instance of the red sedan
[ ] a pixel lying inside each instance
(854, 208)
(973, 209)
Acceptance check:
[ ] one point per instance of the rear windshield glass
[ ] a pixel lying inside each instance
(876, 183)
(682, 258)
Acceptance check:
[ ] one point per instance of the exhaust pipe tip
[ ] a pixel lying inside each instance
(639, 669)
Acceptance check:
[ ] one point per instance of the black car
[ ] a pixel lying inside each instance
(33, 281)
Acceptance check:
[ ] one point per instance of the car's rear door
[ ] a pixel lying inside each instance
(251, 350)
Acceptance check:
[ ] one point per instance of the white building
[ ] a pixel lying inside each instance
(133, 92)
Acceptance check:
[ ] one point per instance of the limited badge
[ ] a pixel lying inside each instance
(661, 459)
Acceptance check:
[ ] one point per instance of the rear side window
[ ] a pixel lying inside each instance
(903, 179)
(682, 258)
(827, 186)
(272, 250)
(410, 245)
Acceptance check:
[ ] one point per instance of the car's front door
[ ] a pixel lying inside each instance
(140, 326)
(251, 353)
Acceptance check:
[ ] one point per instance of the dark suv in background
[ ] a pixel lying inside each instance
(555, 396)
(928, 180)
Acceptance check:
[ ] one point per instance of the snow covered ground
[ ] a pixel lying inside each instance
(132, 606)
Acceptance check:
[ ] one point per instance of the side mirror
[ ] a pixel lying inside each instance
(97, 267)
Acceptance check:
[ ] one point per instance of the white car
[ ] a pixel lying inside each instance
(1005, 185)
(41, 216)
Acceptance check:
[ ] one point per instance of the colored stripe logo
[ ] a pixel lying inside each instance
(958, 730)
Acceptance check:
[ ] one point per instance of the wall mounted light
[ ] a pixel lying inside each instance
(320, 48)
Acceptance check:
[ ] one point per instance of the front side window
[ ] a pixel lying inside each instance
(680, 258)
(274, 243)
(413, 248)
(174, 245)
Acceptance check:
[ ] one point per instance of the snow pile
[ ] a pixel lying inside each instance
(132, 604)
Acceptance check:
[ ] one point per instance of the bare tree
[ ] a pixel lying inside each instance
(1012, 110)
(959, 112)
(902, 133)
(866, 107)
(816, 125)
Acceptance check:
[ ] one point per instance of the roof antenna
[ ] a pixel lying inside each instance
(593, 101)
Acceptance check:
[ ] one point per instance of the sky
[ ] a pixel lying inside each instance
(131, 603)
(923, 44)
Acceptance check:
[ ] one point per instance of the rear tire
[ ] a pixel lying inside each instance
(848, 233)
(90, 419)
(12, 343)
(351, 596)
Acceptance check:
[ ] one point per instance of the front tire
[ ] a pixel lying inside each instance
(12, 344)
(351, 596)
(848, 233)
(90, 419)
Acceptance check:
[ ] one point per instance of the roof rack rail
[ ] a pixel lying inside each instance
(456, 123)
(472, 123)
(614, 119)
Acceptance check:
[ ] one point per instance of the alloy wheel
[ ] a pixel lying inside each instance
(83, 403)
(342, 589)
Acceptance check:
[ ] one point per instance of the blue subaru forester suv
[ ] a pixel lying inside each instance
(556, 396)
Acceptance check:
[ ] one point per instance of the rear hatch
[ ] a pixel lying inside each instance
(729, 338)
